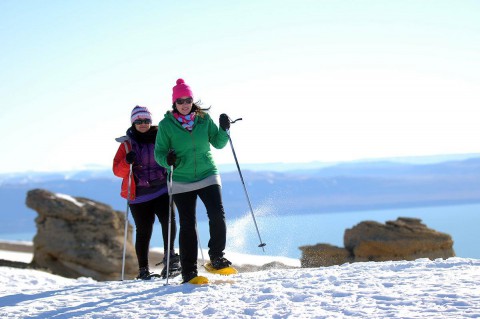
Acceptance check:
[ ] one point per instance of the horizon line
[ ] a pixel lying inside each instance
(275, 166)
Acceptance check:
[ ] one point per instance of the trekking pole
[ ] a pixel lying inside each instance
(126, 221)
(171, 211)
(262, 244)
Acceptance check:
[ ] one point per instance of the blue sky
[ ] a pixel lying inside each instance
(323, 80)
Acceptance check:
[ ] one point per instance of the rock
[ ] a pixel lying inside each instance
(15, 264)
(274, 265)
(243, 268)
(322, 255)
(403, 239)
(79, 237)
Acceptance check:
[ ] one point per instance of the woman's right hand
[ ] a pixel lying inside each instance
(130, 157)
(171, 157)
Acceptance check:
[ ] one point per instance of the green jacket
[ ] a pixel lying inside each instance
(194, 157)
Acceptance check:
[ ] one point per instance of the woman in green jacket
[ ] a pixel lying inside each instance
(183, 140)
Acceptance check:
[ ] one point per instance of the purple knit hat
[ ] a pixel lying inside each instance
(181, 89)
(140, 112)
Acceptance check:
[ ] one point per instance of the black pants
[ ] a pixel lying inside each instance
(211, 197)
(144, 217)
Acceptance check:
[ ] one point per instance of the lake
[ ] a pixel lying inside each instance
(284, 234)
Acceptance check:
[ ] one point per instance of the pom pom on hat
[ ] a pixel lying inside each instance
(181, 89)
(140, 112)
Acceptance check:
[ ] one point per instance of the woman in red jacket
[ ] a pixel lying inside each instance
(148, 190)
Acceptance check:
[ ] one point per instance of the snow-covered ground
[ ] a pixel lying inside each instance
(419, 289)
(16, 256)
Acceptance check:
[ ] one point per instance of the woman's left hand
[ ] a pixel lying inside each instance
(224, 121)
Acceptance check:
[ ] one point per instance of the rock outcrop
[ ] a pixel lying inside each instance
(324, 255)
(79, 237)
(403, 239)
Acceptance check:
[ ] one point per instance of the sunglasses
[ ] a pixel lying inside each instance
(145, 121)
(188, 100)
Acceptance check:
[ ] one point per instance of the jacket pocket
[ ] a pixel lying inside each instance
(209, 159)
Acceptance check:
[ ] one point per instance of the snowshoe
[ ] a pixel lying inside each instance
(226, 271)
(172, 273)
(193, 278)
(220, 266)
(174, 268)
(199, 280)
(145, 274)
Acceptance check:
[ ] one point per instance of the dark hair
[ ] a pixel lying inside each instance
(195, 108)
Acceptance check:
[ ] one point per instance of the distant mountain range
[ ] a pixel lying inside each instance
(280, 189)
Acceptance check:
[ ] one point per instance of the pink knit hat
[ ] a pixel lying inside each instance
(181, 89)
(140, 112)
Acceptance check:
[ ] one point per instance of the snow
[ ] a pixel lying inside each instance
(16, 256)
(400, 289)
(69, 198)
(244, 259)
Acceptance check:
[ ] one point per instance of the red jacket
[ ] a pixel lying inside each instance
(122, 169)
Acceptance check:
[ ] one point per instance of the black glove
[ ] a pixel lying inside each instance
(224, 121)
(130, 158)
(171, 157)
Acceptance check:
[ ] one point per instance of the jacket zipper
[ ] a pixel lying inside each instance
(149, 164)
(194, 155)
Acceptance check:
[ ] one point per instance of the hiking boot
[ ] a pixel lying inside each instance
(144, 273)
(189, 276)
(220, 262)
(174, 268)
